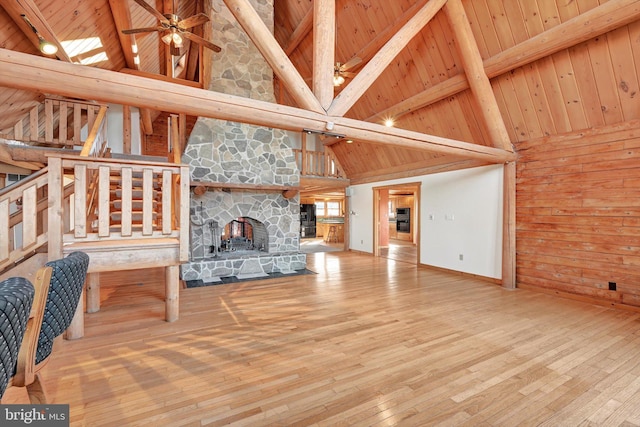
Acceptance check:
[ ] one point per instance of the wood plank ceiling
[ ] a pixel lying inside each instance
(554, 66)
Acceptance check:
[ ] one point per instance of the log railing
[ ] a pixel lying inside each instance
(135, 200)
(23, 218)
(318, 163)
(57, 122)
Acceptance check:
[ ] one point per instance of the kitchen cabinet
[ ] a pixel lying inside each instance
(322, 230)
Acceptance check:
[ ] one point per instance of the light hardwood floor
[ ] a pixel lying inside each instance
(366, 341)
(400, 250)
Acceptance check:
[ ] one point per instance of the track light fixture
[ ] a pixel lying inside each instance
(320, 132)
(45, 46)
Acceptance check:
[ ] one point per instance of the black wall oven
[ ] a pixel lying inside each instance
(403, 220)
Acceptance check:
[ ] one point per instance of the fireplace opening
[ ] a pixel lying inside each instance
(242, 235)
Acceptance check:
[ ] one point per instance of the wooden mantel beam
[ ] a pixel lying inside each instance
(29, 72)
(200, 187)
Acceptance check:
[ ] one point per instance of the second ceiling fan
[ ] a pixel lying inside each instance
(174, 29)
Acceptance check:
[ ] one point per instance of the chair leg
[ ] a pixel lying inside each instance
(36, 391)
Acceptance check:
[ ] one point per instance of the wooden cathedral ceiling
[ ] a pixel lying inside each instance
(536, 68)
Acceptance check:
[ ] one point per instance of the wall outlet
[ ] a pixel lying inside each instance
(431, 217)
(362, 242)
(461, 257)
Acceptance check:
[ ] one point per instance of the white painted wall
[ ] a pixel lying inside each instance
(466, 211)
(114, 129)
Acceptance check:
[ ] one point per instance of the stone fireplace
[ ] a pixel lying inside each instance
(241, 231)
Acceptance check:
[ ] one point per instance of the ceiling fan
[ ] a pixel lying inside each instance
(341, 71)
(175, 29)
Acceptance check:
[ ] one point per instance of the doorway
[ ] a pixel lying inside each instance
(396, 232)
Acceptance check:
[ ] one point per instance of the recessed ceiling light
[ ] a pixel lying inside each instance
(388, 123)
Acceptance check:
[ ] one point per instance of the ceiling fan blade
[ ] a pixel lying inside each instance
(151, 10)
(201, 41)
(350, 63)
(193, 21)
(348, 74)
(141, 30)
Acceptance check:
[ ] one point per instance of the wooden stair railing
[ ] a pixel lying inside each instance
(134, 200)
(318, 163)
(56, 123)
(141, 220)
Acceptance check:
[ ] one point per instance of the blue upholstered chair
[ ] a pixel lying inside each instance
(54, 307)
(16, 298)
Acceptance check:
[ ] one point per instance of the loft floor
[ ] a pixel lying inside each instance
(365, 341)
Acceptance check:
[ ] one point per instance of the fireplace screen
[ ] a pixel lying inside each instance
(243, 234)
(237, 235)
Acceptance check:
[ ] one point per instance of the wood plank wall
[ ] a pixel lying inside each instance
(578, 214)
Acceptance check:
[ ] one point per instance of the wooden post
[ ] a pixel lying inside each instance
(55, 208)
(172, 285)
(93, 292)
(126, 129)
(347, 215)
(76, 327)
(303, 165)
(509, 227)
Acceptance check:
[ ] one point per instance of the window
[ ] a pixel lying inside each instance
(328, 208)
(333, 208)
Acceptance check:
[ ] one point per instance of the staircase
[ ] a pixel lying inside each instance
(126, 214)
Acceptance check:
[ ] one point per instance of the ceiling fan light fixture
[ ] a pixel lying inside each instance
(337, 79)
(173, 37)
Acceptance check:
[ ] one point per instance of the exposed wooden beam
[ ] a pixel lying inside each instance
(194, 54)
(300, 32)
(160, 77)
(476, 76)
(23, 71)
(597, 21)
(324, 183)
(122, 19)
(6, 157)
(266, 43)
(146, 121)
(28, 8)
(423, 167)
(375, 44)
(31, 154)
(370, 72)
(324, 42)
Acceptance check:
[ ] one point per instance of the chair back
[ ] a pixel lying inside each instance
(16, 298)
(67, 279)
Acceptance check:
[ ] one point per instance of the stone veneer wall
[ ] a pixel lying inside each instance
(229, 152)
